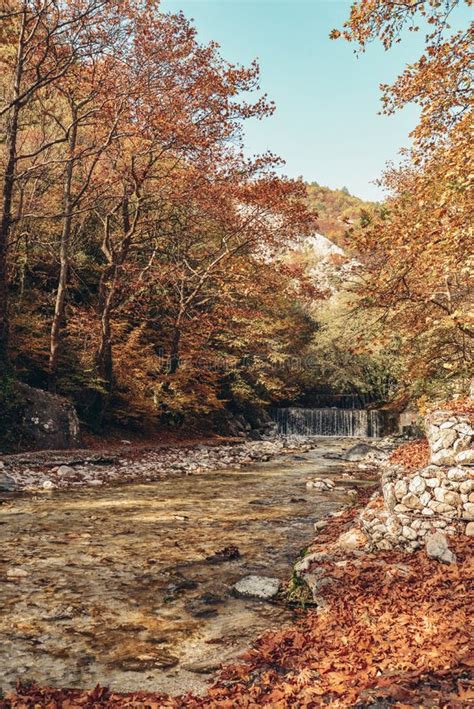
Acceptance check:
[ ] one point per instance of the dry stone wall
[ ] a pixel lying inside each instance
(437, 498)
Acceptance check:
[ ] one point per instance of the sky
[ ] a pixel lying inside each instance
(326, 126)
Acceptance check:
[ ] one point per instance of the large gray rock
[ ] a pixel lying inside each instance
(48, 421)
(263, 587)
(358, 452)
(437, 548)
(7, 484)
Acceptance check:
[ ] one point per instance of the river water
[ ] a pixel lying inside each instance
(115, 585)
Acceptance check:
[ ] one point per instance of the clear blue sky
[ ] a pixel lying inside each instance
(326, 125)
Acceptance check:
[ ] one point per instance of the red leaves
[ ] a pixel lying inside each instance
(411, 455)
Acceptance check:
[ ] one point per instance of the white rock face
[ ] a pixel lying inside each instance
(263, 587)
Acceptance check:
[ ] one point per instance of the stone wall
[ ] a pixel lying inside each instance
(439, 497)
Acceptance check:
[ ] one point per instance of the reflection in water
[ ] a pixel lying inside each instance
(120, 590)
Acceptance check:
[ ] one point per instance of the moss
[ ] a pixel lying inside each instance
(298, 592)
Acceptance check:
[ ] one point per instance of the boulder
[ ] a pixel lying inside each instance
(262, 587)
(436, 545)
(7, 484)
(353, 539)
(358, 452)
(48, 421)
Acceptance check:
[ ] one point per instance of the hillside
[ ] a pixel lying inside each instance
(337, 210)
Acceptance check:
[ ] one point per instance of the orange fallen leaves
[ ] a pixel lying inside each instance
(412, 455)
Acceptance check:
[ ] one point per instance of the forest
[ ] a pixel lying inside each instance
(134, 226)
(226, 362)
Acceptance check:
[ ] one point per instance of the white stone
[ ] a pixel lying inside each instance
(457, 474)
(427, 512)
(468, 510)
(48, 485)
(436, 445)
(409, 533)
(401, 489)
(443, 457)
(462, 443)
(448, 437)
(353, 539)
(448, 424)
(429, 472)
(447, 496)
(412, 501)
(465, 457)
(417, 485)
(400, 508)
(425, 498)
(470, 529)
(437, 548)
(466, 487)
(263, 587)
(432, 482)
(441, 508)
(465, 429)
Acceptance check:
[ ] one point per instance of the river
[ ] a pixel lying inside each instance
(116, 586)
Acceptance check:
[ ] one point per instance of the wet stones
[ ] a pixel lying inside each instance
(321, 484)
(7, 483)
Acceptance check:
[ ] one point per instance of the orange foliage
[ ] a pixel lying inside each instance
(411, 455)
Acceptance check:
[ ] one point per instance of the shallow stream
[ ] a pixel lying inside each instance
(115, 584)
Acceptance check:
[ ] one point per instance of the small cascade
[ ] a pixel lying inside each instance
(358, 423)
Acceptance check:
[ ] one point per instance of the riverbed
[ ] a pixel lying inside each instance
(121, 586)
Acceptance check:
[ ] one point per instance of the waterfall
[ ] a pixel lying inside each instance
(329, 422)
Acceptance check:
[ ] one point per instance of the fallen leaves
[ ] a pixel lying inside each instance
(412, 455)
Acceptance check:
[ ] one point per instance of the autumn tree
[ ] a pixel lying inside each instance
(417, 249)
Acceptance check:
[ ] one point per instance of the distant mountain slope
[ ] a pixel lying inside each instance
(337, 210)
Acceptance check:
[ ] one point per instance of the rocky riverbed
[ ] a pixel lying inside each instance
(51, 470)
(132, 586)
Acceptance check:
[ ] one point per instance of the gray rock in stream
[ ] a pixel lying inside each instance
(7, 484)
(262, 587)
(357, 452)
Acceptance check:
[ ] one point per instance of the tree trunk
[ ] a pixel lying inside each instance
(175, 342)
(60, 305)
(7, 197)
